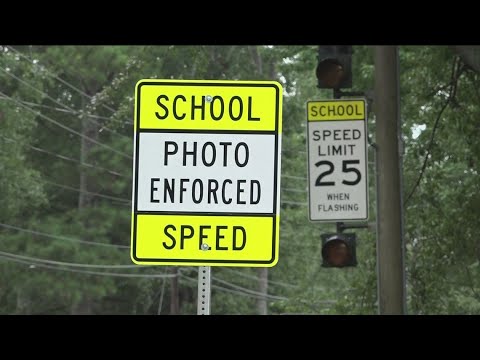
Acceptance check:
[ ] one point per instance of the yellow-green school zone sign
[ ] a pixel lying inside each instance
(207, 162)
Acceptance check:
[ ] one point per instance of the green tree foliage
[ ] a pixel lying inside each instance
(66, 116)
(442, 184)
(19, 181)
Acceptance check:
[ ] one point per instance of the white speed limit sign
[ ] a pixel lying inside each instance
(337, 160)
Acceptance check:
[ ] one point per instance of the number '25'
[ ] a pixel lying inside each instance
(346, 168)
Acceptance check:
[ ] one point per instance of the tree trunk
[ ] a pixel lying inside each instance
(89, 129)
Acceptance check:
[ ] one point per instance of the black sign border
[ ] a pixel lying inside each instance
(136, 154)
(364, 119)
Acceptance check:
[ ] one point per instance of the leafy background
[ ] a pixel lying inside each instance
(66, 139)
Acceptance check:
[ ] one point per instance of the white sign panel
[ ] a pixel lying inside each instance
(337, 160)
(206, 172)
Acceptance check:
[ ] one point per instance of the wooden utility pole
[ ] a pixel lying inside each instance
(390, 246)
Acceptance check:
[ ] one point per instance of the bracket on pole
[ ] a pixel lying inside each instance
(341, 226)
(337, 93)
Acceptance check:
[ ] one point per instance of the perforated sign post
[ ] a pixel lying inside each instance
(206, 188)
(337, 160)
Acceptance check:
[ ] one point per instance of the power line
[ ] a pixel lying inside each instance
(63, 157)
(75, 112)
(241, 288)
(62, 263)
(257, 278)
(67, 128)
(62, 237)
(230, 290)
(252, 292)
(54, 100)
(122, 200)
(101, 273)
(58, 78)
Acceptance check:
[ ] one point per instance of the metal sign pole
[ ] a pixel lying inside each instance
(204, 280)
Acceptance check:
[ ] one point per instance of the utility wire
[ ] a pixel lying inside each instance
(55, 101)
(123, 246)
(11, 227)
(68, 128)
(58, 78)
(48, 264)
(220, 288)
(114, 198)
(245, 290)
(253, 277)
(75, 112)
(123, 201)
(63, 157)
(248, 291)
(101, 273)
(69, 264)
